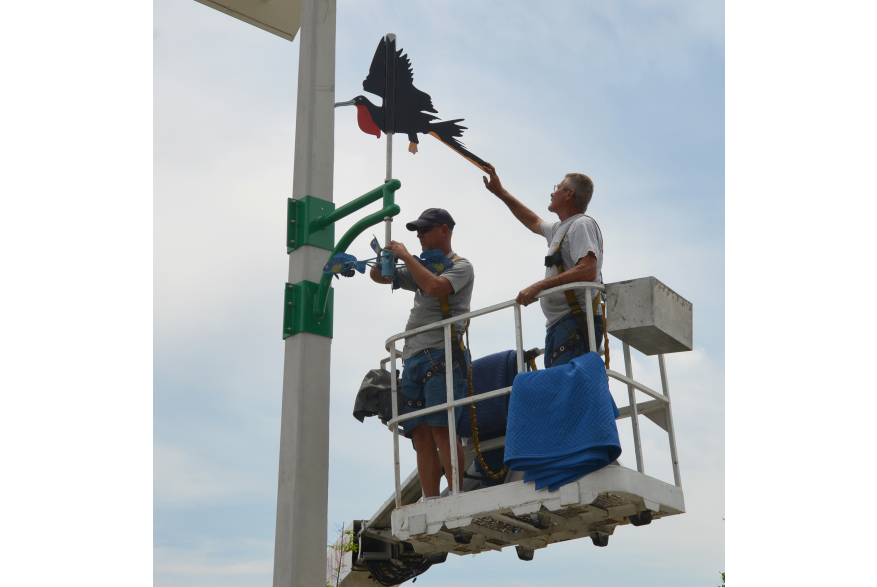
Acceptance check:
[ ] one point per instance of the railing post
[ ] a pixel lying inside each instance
(589, 309)
(519, 337)
(394, 398)
(631, 393)
(665, 387)
(452, 428)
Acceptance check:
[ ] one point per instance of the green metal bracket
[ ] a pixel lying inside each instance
(388, 193)
(298, 310)
(301, 227)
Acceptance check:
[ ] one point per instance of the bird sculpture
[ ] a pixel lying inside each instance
(410, 106)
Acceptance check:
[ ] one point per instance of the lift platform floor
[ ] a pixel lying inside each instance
(517, 514)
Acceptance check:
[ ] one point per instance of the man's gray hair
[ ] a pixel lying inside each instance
(583, 186)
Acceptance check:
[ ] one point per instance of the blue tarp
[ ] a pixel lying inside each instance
(561, 423)
(488, 373)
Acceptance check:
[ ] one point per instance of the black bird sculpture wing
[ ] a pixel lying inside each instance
(412, 106)
(413, 99)
(408, 98)
(376, 80)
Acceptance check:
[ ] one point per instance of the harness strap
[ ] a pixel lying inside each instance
(581, 332)
(411, 403)
(569, 344)
(577, 313)
(436, 369)
(457, 347)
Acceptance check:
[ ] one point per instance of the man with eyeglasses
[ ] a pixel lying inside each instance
(436, 297)
(575, 253)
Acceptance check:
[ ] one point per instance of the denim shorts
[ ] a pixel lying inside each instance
(433, 392)
(560, 331)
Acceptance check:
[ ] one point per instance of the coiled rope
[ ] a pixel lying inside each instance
(474, 422)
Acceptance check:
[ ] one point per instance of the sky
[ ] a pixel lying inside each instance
(630, 93)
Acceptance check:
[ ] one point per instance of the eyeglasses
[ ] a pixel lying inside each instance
(425, 229)
(557, 185)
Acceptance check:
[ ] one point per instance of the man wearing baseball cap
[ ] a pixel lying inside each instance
(423, 378)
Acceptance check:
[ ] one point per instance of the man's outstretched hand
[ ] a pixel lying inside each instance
(494, 184)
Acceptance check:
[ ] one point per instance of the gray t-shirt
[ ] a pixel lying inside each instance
(583, 237)
(427, 309)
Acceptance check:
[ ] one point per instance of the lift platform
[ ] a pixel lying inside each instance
(406, 536)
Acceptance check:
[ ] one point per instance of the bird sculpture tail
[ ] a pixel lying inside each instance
(447, 132)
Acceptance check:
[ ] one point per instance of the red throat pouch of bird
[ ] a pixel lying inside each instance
(366, 124)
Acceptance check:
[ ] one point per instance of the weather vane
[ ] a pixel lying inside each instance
(347, 265)
(405, 109)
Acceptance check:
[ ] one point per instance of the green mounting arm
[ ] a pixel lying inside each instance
(388, 192)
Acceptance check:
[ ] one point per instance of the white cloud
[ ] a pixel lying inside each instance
(184, 476)
(184, 563)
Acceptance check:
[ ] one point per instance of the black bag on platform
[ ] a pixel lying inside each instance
(375, 396)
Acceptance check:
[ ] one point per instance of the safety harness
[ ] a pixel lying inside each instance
(581, 331)
(457, 354)
(457, 347)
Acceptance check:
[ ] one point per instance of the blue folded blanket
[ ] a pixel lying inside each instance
(488, 373)
(561, 423)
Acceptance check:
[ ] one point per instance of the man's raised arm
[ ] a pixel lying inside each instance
(527, 217)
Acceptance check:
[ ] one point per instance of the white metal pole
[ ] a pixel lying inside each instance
(389, 175)
(394, 397)
(303, 479)
(634, 419)
(665, 387)
(388, 221)
(452, 428)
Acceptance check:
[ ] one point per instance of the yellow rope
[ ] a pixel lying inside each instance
(605, 336)
(474, 422)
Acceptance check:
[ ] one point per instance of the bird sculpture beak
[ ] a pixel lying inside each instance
(348, 103)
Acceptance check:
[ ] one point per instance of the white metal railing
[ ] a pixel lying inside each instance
(664, 404)
(451, 403)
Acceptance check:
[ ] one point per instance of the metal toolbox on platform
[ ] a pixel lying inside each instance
(649, 316)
